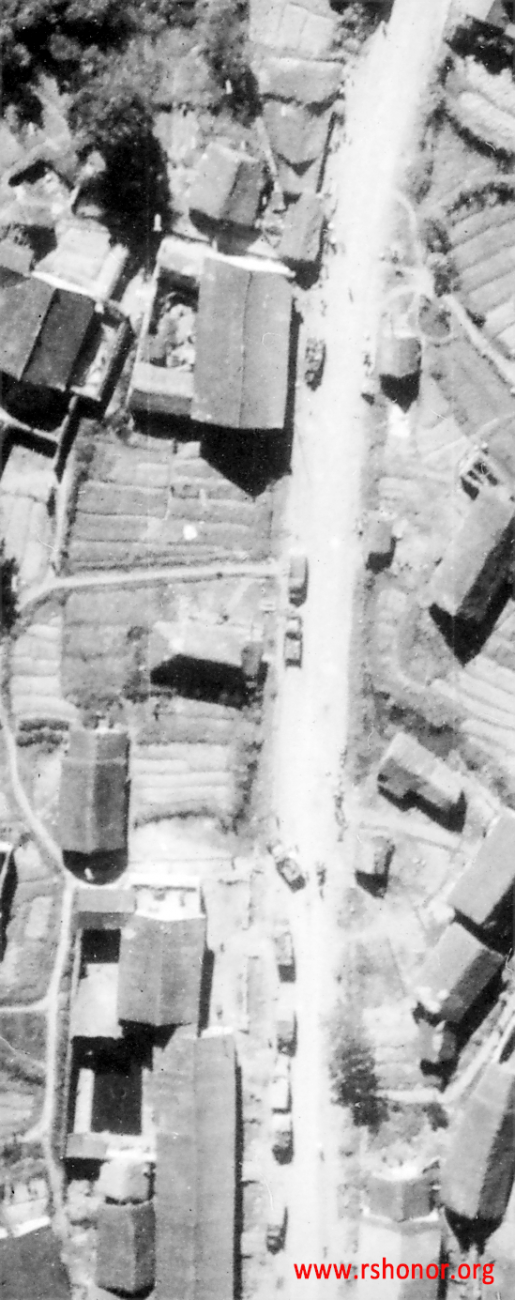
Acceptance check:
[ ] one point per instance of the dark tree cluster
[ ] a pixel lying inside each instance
(8, 583)
(224, 42)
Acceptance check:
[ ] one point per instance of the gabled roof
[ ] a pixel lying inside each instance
(160, 971)
(64, 332)
(455, 974)
(196, 1170)
(491, 12)
(227, 186)
(478, 1173)
(472, 569)
(31, 1268)
(489, 880)
(242, 346)
(93, 792)
(24, 306)
(42, 331)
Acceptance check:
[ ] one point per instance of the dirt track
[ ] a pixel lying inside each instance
(329, 452)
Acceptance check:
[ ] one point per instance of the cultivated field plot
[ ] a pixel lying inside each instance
(25, 489)
(31, 930)
(483, 250)
(483, 104)
(193, 725)
(157, 502)
(475, 394)
(471, 704)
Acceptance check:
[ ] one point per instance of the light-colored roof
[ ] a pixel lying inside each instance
(242, 347)
(94, 1013)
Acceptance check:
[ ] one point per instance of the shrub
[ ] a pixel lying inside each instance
(8, 590)
(223, 40)
(113, 114)
(353, 1074)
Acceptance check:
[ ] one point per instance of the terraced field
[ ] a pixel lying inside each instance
(483, 251)
(189, 755)
(478, 399)
(157, 501)
(483, 104)
(25, 488)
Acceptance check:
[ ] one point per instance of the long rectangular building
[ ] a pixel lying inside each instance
(196, 1168)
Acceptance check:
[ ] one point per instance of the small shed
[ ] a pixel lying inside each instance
(161, 971)
(94, 790)
(227, 186)
(243, 346)
(302, 233)
(299, 139)
(125, 1247)
(478, 558)
(409, 769)
(455, 974)
(478, 1174)
(408, 1256)
(399, 1192)
(85, 260)
(400, 351)
(31, 1267)
(485, 891)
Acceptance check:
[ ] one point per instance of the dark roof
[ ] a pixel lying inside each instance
(227, 186)
(24, 306)
(64, 333)
(490, 879)
(93, 792)
(42, 331)
(196, 1171)
(455, 974)
(242, 348)
(475, 563)
(31, 1268)
(125, 1247)
(478, 1172)
(161, 971)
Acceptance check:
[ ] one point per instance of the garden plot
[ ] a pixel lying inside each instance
(468, 707)
(155, 503)
(483, 104)
(35, 682)
(25, 523)
(484, 255)
(193, 725)
(32, 930)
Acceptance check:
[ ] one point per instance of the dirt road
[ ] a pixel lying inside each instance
(383, 110)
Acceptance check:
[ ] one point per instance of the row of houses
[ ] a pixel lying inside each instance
(152, 1097)
(472, 951)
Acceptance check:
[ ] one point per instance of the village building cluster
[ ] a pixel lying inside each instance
(160, 404)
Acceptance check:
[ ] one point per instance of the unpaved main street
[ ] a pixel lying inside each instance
(382, 114)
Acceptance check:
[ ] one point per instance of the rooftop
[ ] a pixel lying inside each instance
(243, 346)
